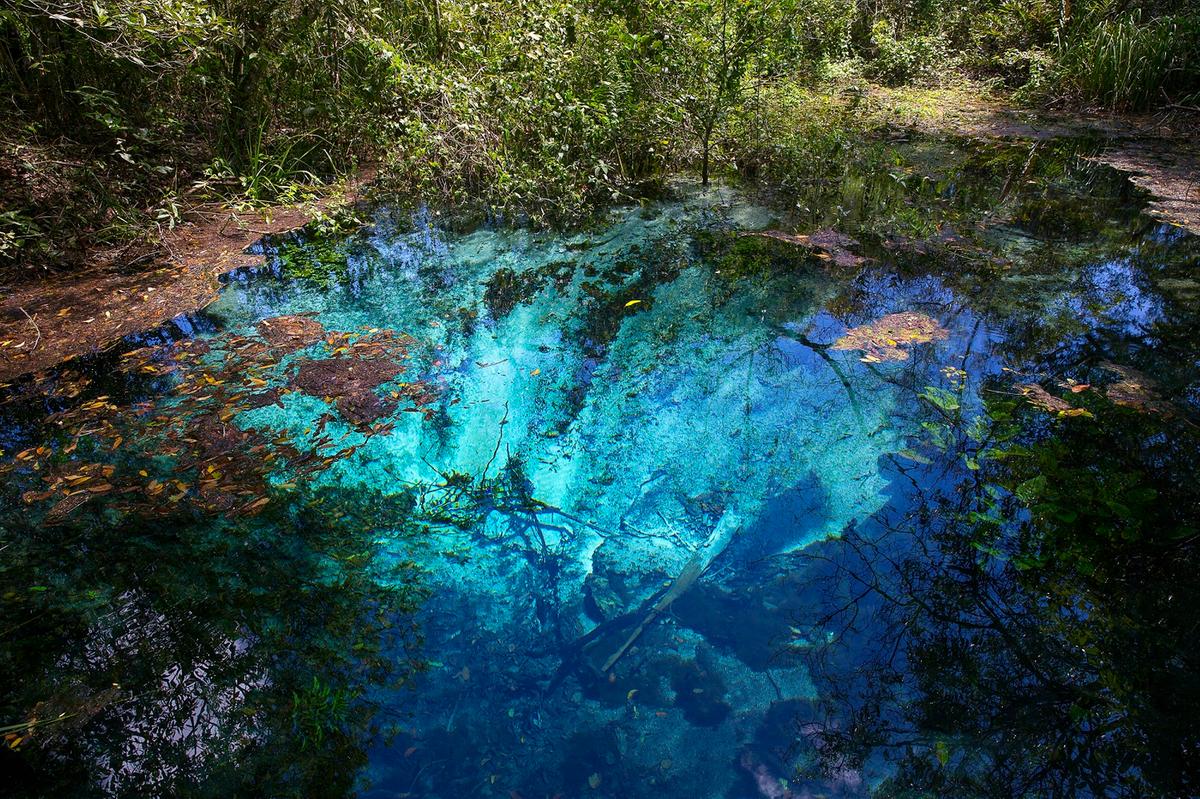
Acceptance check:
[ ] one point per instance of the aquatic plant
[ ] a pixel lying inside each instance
(1021, 605)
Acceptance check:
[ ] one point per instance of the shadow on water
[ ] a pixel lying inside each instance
(686, 504)
(1025, 627)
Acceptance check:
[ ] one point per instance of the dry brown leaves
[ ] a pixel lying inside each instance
(50, 321)
(1132, 389)
(1043, 399)
(1040, 398)
(216, 464)
(359, 366)
(1135, 390)
(889, 338)
(351, 384)
(290, 333)
(826, 244)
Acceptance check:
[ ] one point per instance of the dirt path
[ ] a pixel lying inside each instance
(50, 321)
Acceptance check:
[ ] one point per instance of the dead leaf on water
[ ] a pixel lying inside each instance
(890, 337)
(1135, 390)
(1043, 399)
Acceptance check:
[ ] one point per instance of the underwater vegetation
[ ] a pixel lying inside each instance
(719, 497)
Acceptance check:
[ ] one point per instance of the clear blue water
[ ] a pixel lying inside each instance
(617, 528)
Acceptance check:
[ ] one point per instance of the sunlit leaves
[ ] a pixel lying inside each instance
(890, 337)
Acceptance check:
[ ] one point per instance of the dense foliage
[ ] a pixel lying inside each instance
(123, 113)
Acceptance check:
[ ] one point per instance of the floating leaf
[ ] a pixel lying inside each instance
(1135, 390)
(890, 337)
(1040, 398)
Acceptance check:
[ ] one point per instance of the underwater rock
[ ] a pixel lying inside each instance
(604, 600)
(775, 741)
(610, 590)
(699, 691)
(291, 332)
(890, 337)
(589, 756)
(736, 622)
(768, 785)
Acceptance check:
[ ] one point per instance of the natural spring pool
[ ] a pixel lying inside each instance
(687, 504)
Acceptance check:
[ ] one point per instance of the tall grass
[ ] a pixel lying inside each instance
(1129, 64)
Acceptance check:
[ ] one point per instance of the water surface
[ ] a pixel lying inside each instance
(673, 506)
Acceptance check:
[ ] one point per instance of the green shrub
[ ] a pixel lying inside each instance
(913, 59)
(1011, 41)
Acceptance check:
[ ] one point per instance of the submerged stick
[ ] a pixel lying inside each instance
(820, 350)
(716, 544)
(683, 582)
(35, 327)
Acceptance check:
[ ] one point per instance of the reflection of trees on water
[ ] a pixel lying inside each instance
(195, 656)
(1025, 628)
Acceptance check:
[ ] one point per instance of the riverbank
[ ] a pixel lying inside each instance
(1159, 152)
(46, 322)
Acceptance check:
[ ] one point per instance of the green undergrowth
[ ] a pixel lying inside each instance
(121, 115)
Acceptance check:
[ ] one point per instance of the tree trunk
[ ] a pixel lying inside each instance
(439, 37)
(704, 159)
(16, 61)
(243, 118)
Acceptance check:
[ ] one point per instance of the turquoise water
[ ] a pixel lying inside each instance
(659, 508)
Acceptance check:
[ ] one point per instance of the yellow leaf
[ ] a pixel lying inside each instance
(632, 302)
